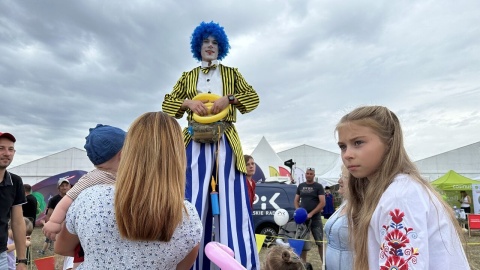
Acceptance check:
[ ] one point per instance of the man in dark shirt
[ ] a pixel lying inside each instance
(30, 208)
(63, 186)
(311, 196)
(12, 196)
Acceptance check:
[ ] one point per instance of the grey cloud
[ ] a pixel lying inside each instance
(66, 66)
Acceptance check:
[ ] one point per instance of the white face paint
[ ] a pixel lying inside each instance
(209, 50)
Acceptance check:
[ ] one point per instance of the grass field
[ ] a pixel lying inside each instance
(473, 251)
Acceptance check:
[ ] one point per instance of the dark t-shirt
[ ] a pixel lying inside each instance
(309, 195)
(30, 208)
(52, 203)
(11, 193)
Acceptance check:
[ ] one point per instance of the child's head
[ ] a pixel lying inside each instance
(282, 258)
(28, 227)
(103, 143)
(371, 143)
(379, 129)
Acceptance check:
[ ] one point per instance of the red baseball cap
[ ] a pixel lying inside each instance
(8, 136)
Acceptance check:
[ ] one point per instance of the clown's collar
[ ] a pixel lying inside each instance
(214, 62)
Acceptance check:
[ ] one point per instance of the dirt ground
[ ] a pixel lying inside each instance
(472, 249)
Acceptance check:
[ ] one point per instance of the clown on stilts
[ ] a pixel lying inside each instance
(215, 163)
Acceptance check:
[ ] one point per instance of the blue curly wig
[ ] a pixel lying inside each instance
(203, 31)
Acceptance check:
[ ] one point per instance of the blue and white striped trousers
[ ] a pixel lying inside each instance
(234, 225)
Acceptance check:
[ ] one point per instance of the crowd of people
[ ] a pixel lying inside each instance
(159, 194)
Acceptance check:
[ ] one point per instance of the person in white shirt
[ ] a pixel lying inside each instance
(396, 218)
(465, 201)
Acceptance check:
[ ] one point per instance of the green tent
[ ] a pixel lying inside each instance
(451, 184)
(454, 181)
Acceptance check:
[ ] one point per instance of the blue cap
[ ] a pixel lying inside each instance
(103, 143)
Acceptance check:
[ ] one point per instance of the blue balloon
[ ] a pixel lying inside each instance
(300, 215)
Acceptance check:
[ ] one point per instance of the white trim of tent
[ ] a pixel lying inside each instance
(67, 160)
(331, 177)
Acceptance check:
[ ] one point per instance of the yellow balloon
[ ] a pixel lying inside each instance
(210, 118)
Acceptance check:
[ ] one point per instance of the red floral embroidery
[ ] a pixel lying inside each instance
(397, 216)
(395, 262)
(397, 239)
(396, 247)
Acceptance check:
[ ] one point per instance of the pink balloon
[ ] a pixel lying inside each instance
(222, 256)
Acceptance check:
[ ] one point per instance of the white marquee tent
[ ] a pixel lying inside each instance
(325, 162)
(40, 169)
(266, 158)
(332, 176)
(464, 160)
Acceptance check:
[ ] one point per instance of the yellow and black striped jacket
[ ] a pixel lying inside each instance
(233, 84)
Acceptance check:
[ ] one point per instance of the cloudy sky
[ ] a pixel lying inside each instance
(67, 65)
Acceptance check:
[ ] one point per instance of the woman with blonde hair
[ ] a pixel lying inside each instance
(143, 221)
(396, 218)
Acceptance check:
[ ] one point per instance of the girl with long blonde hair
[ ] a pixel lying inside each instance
(396, 218)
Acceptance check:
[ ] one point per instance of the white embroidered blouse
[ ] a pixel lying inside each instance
(410, 229)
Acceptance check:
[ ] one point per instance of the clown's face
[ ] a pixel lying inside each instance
(209, 50)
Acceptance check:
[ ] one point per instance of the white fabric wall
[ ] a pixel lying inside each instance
(464, 160)
(40, 169)
(265, 156)
(308, 156)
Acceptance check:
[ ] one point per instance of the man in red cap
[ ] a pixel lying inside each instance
(12, 197)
